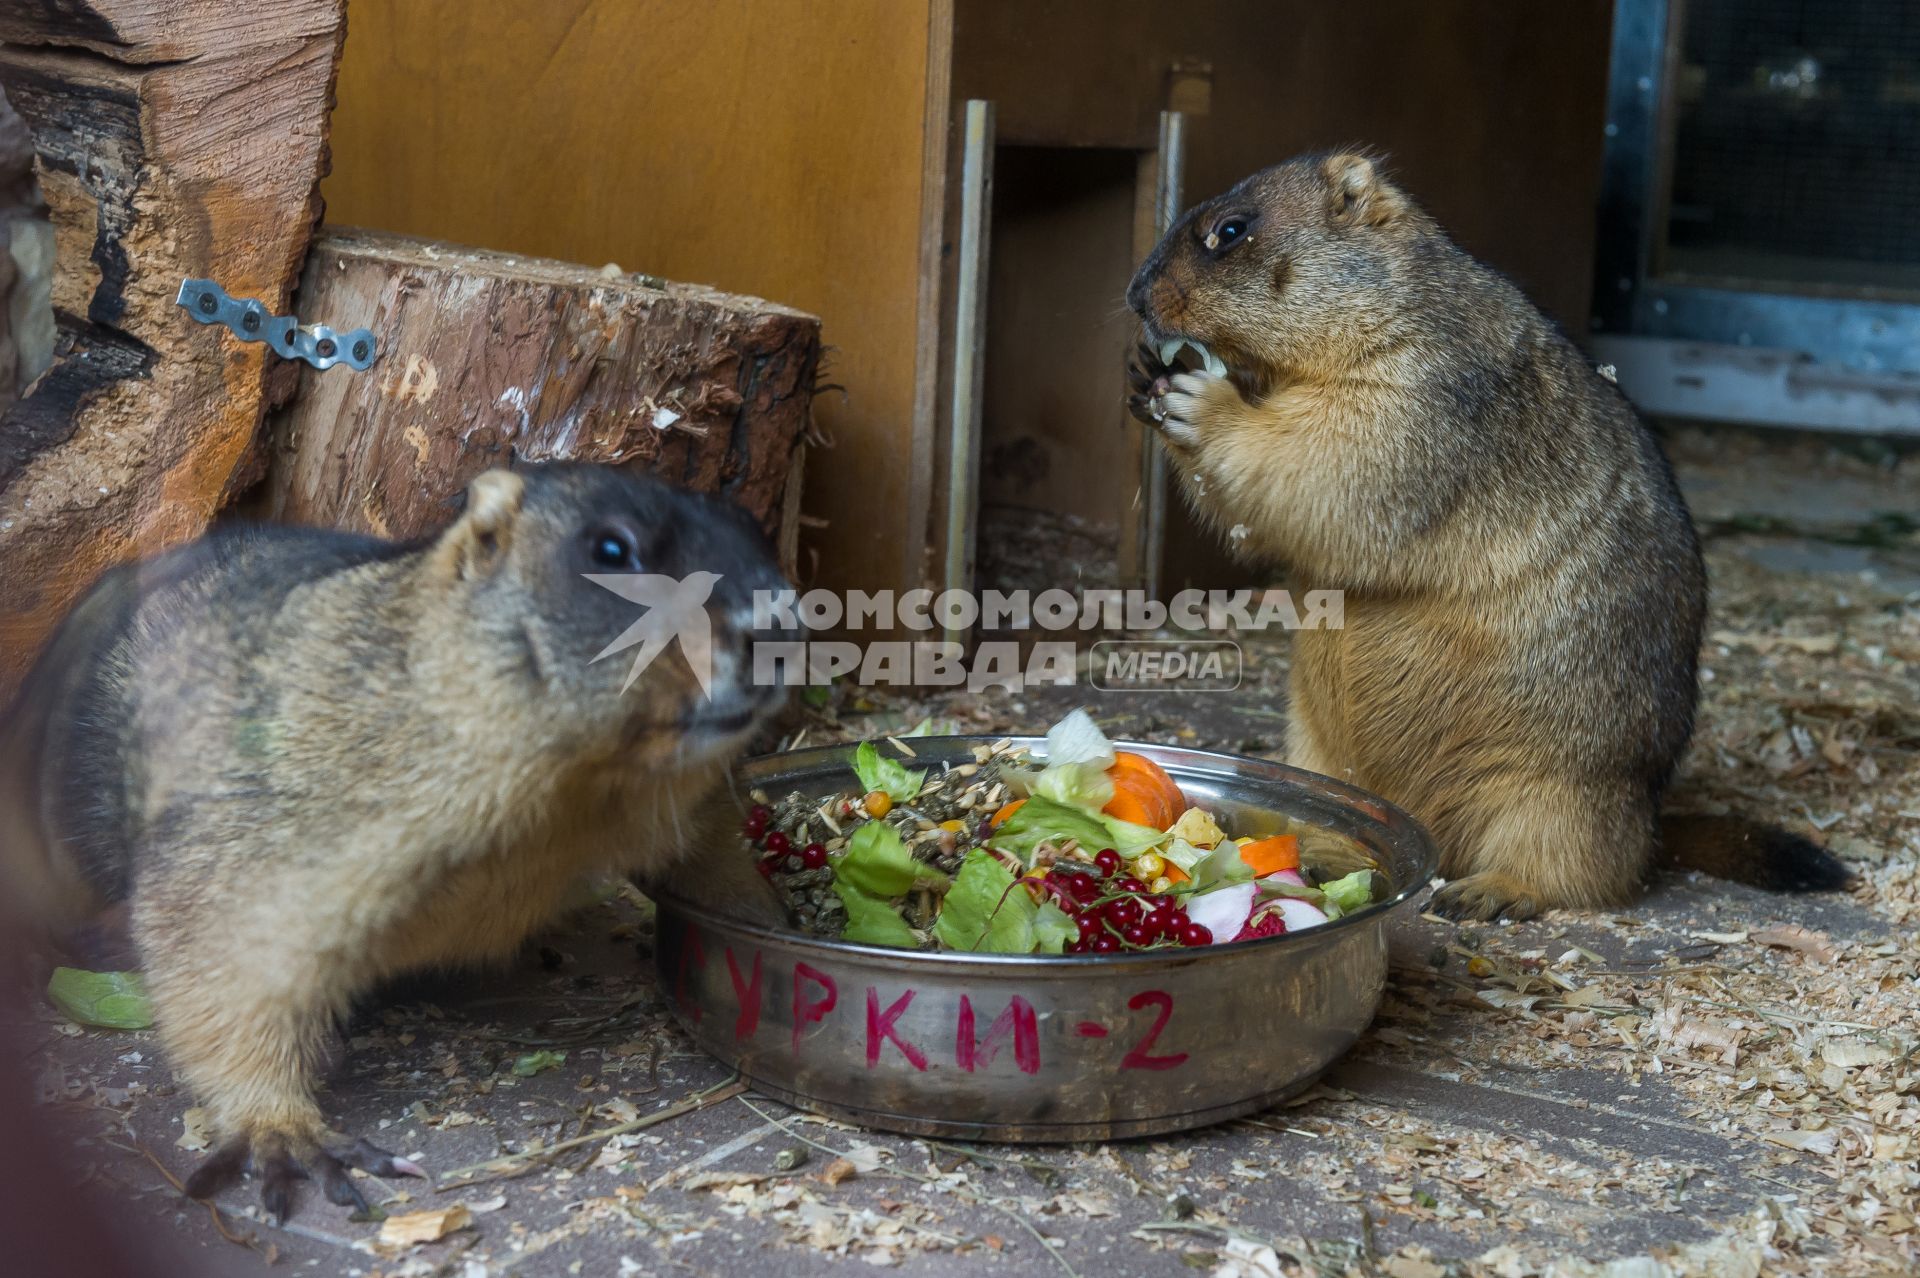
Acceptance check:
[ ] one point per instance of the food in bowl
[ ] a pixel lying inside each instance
(1089, 850)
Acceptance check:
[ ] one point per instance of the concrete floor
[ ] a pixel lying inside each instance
(1472, 1131)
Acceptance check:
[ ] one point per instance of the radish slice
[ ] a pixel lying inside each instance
(1287, 876)
(1298, 913)
(1224, 911)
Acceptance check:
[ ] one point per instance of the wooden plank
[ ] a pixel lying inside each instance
(153, 171)
(488, 357)
(768, 147)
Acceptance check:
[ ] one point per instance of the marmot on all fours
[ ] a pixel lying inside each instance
(1524, 591)
(312, 760)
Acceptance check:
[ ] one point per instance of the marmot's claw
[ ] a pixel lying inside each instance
(1483, 898)
(278, 1167)
(1147, 380)
(218, 1170)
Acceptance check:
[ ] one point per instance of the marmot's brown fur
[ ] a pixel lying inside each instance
(312, 761)
(1524, 592)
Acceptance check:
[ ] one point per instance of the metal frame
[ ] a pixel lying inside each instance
(1864, 354)
(1169, 179)
(969, 348)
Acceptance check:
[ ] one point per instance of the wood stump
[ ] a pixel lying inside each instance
(486, 358)
(174, 138)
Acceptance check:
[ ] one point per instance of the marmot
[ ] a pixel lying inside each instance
(1524, 591)
(312, 760)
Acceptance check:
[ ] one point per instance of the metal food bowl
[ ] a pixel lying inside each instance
(1046, 1048)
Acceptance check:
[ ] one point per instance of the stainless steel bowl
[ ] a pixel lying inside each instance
(1033, 1048)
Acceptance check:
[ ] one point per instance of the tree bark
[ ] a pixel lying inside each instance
(486, 358)
(174, 138)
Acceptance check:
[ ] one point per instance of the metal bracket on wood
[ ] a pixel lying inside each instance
(249, 321)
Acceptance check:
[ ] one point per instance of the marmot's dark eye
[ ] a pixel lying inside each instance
(1227, 232)
(613, 548)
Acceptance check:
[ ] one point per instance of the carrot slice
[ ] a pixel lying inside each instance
(1269, 856)
(1136, 799)
(1000, 817)
(1175, 874)
(1159, 797)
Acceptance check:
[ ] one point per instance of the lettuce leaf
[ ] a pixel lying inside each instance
(1345, 895)
(1220, 865)
(1053, 930)
(877, 772)
(982, 914)
(1077, 739)
(1044, 820)
(1078, 785)
(877, 862)
(872, 921)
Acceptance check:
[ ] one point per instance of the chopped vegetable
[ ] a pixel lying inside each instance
(1096, 852)
(888, 776)
(1080, 785)
(878, 863)
(1272, 855)
(1143, 793)
(1197, 826)
(984, 911)
(1223, 912)
(107, 1000)
(538, 1063)
(872, 921)
(1354, 892)
(1077, 739)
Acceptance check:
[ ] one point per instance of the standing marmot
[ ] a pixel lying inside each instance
(314, 760)
(1524, 590)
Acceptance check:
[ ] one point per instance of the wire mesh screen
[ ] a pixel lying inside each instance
(1796, 145)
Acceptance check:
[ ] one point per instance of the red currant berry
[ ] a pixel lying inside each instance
(1108, 860)
(1089, 926)
(1158, 920)
(1076, 947)
(779, 844)
(1180, 918)
(1105, 943)
(814, 855)
(1194, 934)
(1082, 885)
(1130, 885)
(765, 867)
(1121, 912)
(1136, 934)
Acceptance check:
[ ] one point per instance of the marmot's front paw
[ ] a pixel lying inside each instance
(1189, 401)
(1485, 897)
(1147, 380)
(280, 1158)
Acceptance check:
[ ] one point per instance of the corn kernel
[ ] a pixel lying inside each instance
(877, 803)
(953, 827)
(1159, 885)
(1148, 865)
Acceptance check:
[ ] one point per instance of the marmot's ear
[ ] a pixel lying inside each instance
(478, 540)
(1360, 195)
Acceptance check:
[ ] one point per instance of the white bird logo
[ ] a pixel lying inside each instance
(676, 609)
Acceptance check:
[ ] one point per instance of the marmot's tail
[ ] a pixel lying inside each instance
(1751, 852)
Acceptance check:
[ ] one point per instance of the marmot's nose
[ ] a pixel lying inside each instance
(1139, 289)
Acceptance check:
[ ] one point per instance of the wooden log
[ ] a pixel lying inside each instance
(486, 358)
(173, 140)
